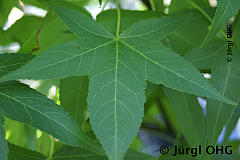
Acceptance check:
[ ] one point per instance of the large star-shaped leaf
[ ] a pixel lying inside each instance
(118, 67)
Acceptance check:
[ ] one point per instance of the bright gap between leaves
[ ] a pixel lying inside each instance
(16, 14)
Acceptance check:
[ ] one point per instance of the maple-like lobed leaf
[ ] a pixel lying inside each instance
(118, 69)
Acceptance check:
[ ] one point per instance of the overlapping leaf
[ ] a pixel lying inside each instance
(23, 104)
(69, 153)
(118, 68)
(225, 77)
(192, 123)
(184, 38)
(203, 58)
(73, 96)
(226, 9)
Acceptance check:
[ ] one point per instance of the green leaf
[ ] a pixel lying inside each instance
(51, 34)
(192, 123)
(189, 157)
(73, 97)
(108, 18)
(17, 134)
(177, 5)
(226, 156)
(24, 28)
(226, 9)
(204, 58)
(19, 153)
(157, 103)
(134, 155)
(185, 38)
(236, 32)
(117, 80)
(231, 124)
(74, 153)
(24, 104)
(3, 143)
(157, 5)
(10, 62)
(225, 77)
(43, 144)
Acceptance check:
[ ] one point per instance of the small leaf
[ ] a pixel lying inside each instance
(226, 9)
(3, 143)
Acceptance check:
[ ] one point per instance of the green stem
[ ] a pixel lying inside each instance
(51, 149)
(118, 19)
(104, 5)
(153, 5)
